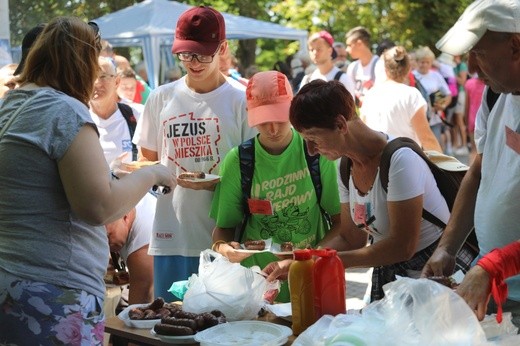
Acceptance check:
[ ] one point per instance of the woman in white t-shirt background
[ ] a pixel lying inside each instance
(395, 108)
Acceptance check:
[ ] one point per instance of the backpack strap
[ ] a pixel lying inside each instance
(246, 156)
(344, 170)
(128, 114)
(313, 163)
(384, 168)
(373, 69)
(338, 75)
(355, 68)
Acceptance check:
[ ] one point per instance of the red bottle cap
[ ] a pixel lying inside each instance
(302, 255)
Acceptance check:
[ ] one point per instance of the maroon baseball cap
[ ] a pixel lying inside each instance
(325, 35)
(199, 30)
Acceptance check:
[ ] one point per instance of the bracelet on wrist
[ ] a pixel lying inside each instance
(216, 244)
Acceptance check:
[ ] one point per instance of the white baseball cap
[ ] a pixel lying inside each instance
(448, 163)
(479, 17)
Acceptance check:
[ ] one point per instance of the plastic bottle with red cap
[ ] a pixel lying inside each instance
(329, 283)
(301, 287)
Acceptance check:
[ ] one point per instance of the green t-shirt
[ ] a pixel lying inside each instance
(462, 67)
(285, 181)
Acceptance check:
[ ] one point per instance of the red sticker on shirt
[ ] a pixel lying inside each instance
(513, 140)
(260, 206)
(360, 212)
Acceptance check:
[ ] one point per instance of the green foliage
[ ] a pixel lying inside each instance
(408, 22)
(25, 14)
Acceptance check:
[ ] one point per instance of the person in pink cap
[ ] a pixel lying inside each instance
(323, 53)
(189, 125)
(282, 203)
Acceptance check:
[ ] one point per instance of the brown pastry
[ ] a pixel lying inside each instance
(286, 246)
(135, 165)
(444, 280)
(192, 175)
(254, 245)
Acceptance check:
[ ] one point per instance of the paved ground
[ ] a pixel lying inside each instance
(358, 282)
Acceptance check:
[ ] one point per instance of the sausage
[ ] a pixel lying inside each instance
(192, 175)
(209, 320)
(149, 315)
(168, 329)
(185, 322)
(254, 244)
(184, 314)
(156, 304)
(136, 314)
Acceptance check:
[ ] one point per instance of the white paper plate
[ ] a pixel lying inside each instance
(244, 333)
(142, 324)
(208, 177)
(185, 339)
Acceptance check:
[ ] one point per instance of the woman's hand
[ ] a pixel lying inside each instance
(164, 176)
(277, 270)
(475, 289)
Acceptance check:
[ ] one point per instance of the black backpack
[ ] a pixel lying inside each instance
(246, 155)
(128, 114)
(447, 181)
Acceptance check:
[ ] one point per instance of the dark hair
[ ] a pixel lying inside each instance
(318, 103)
(384, 45)
(65, 57)
(282, 67)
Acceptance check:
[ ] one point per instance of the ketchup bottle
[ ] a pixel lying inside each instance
(329, 284)
(301, 288)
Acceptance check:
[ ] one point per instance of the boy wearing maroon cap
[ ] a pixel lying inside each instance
(322, 53)
(190, 125)
(282, 203)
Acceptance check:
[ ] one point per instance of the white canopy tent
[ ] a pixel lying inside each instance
(150, 24)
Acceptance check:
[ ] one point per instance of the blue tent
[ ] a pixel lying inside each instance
(150, 24)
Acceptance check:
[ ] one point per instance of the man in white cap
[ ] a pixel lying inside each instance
(488, 198)
(190, 124)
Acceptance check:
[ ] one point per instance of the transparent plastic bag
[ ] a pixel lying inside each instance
(235, 290)
(413, 312)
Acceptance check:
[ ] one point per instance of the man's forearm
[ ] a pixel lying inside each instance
(462, 217)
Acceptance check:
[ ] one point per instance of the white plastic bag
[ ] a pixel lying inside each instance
(235, 290)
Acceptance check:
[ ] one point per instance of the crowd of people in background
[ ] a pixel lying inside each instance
(69, 131)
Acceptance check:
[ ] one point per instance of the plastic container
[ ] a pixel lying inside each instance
(329, 284)
(301, 288)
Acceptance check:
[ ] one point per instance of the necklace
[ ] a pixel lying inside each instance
(363, 180)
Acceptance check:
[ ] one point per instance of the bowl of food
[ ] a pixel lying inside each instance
(147, 315)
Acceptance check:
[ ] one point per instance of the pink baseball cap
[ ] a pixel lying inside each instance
(269, 96)
(328, 38)
(199, 30)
